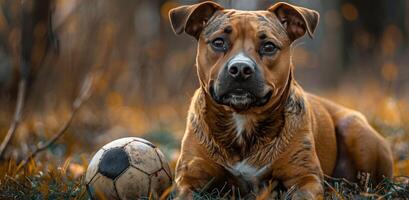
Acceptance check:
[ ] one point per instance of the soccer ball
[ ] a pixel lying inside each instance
(128, 168)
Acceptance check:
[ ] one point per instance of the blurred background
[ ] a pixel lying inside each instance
(359, 57)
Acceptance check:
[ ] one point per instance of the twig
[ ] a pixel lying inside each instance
(7, 177)
(340, 180)
(17, 115)
(83, 96)
(333, 190)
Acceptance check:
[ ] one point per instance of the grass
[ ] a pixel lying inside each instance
(36, 182)
(49, 182)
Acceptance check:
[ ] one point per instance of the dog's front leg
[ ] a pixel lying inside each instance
(301, 173)
(184, 193)
(305, 187)
(189, 177)
(197, 174)
(202, 175)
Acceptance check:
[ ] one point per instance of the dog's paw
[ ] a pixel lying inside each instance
(184, 194)
(302, 195)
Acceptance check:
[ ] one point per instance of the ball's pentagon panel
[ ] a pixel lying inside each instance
(132, 183)
(143, 157)
(113, 162)
(102, 186)
(118, 143)
(93, 166)
(160, 181)
(165, 162)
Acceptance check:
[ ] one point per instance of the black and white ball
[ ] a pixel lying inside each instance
(128, 168)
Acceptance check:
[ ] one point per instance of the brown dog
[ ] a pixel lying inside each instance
(250, 122)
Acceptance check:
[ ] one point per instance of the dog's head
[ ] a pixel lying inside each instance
(243, 57)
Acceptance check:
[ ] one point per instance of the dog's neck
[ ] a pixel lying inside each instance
(236, 136)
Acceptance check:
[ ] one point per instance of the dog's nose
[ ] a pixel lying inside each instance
(240, 70)
(241, 67)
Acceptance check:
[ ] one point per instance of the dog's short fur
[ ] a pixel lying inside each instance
(250, 122)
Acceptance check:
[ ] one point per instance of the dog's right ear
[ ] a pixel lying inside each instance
(296, 20)
(192, 18)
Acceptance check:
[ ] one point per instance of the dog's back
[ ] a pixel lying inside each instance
(359, 148)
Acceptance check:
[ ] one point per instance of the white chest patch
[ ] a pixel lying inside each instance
(244, 170)
(248, 172)
(240, 122)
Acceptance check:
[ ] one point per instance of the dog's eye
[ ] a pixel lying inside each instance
(219, 44)
(268, 48)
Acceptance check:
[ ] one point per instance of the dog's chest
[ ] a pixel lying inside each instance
(240, 126)
(249, 172)
(244, 168)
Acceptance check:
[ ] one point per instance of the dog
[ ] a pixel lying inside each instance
(250, 122)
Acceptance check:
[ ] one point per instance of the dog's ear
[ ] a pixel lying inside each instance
(296, 20)
(192, 18)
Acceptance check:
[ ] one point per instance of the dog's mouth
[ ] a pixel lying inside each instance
(240, 99)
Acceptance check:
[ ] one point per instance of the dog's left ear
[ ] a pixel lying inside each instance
(192, 18)
(296, 20)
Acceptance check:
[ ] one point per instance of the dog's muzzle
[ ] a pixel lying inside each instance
(240, 84)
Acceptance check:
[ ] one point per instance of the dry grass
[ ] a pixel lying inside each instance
(65, 182)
